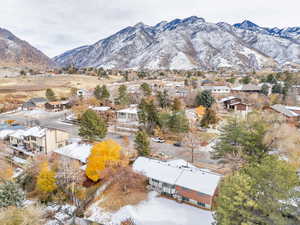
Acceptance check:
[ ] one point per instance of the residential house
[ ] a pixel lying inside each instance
(105, 112)
(34, 140)
(34, 103)
(247, 88)
(76, 151)
(57, 105)
(180, 180)
(127, 120)
(235, 104)
(291, 113)
(129, 115)
(217, 89)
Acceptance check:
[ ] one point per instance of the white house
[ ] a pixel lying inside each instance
(217, 89)
(128, 115)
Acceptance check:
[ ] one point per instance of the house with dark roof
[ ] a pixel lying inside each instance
(34, 103)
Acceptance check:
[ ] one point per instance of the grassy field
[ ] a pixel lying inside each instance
(35, 86)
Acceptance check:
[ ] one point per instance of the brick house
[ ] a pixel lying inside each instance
(180, 180)
(235, 104)
(57, 105)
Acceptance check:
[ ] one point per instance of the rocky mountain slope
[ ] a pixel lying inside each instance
(16, 52)
(187, 44)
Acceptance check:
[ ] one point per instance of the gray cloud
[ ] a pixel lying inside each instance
(55, 26)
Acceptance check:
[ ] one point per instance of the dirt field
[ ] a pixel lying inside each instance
(35, 86)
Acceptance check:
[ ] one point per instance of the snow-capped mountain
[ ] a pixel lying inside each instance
(187, 44)
(291, 33)
(16, 52)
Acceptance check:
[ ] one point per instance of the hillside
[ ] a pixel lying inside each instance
(187, 44)
(16, 52)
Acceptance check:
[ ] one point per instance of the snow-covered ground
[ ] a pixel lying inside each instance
(155, 210)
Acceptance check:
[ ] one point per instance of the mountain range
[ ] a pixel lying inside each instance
(16, 52)
(190, 43)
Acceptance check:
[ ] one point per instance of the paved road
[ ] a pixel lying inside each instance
(54, 120)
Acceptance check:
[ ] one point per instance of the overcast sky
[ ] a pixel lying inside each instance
(55, 26)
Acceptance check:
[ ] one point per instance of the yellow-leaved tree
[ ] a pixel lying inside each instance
(46, 181)
(102, 155)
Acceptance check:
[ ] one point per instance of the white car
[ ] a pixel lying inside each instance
(158, 140)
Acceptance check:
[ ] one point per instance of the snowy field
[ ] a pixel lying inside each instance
(155, 210)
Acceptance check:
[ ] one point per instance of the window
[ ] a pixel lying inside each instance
(185, 199)
(201, 204)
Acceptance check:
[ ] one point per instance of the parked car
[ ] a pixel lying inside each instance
(177, 144)
(158, 140)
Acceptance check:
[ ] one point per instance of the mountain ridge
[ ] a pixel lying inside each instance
(17, 52)
(189, 43)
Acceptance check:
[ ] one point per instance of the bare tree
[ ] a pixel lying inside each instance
(191, 140)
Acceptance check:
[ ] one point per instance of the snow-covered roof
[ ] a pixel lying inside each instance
(75, 151)
(132, 110)
(157, 170)
(247, 87)
(286, 110)
(101, 108)
(18, 134)
(228, 98)
(178, 172)
(35, 132)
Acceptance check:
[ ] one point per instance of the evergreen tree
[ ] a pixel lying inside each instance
(265, 90)
(277, 89)
(209, 118)
(98, 92)
(92, 127)
(163, 99)
(50, 95)
(178, 123)
(259, 194)
(123, 98)
(104, 93)
(11, 194)
(271, 79)
(148, 115)
(142, 143)
(205, 99)
(246, 80)
(146, 89)
(242, 141)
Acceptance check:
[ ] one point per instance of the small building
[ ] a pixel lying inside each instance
(105, 112)
(217, 89)
(34, 103)
(291, 113)
(57, 105)
(128, 115)
(180, 180)
(247, 88)
(235, 104)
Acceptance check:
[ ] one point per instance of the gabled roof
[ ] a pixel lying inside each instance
(75, 151)
(37, 100)
(178, 172)
(247, 87)
(286, 110)
(228, 98)
(28, 105)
